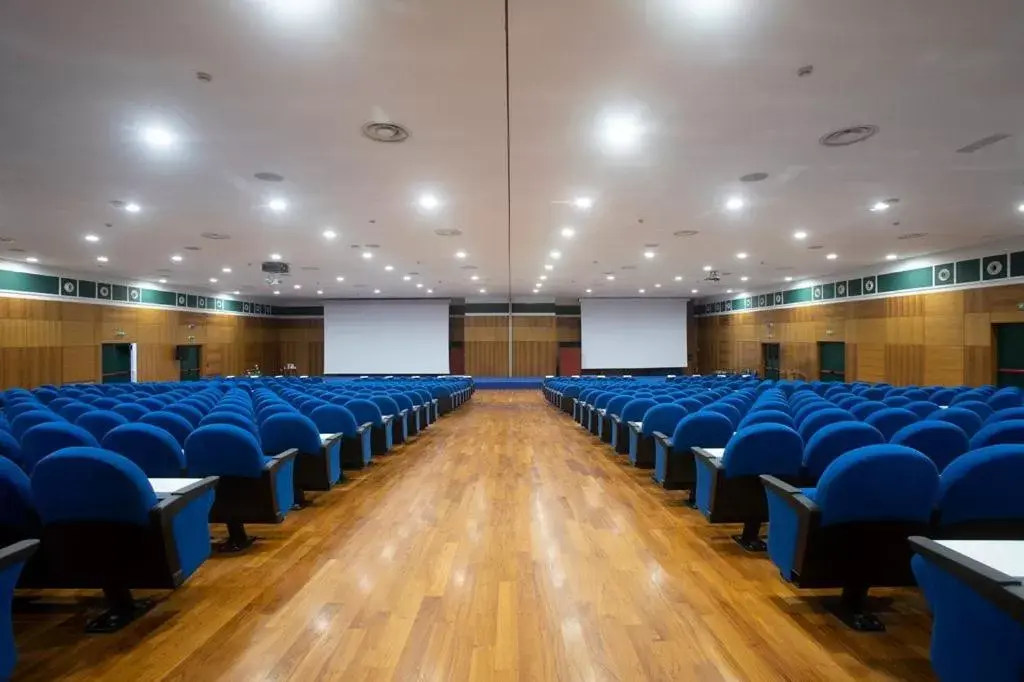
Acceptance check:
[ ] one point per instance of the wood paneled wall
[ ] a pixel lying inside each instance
(57, 342)
(486, 345)
(942, 338)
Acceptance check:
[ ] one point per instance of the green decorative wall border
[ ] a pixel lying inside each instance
(85, 291)
(987, 270)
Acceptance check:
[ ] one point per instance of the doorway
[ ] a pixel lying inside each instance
(770, 360)
(116, 363)
(189, 362)
(1010, 354)
(832, 361)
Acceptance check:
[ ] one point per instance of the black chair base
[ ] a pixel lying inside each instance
(852, 608)
(123, 609)
(238, 540)
(750, 539)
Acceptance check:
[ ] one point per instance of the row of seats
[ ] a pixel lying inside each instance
(842, 473)
(119, 483)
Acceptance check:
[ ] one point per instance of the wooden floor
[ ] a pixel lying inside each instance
(503, 544)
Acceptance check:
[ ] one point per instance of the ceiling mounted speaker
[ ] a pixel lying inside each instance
(385, 132)
(844, 137)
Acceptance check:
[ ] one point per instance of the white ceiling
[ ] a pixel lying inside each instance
(711, 83)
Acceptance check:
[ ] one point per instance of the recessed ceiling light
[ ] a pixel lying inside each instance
(535, 291)
(741, 255)
(102, 259)
(419, 285)
(176, 258)
(460, 254)
(678, 278)
(330, 234)
(537, 285)
(693, 291)
(707, 268)
(158, 137)
(213, 280)
(277, 293)
(641, 290)
(389, 268)
(609, 277)
(891, 256)
(657, 286)
(568, 232)
(430, 291)
(278, 205)
(1021, 208)
(225, 270)
(590, 291)
(376, 291)
(162, 280)
(339, 278)
(621, 132)
(735, 204)
(483, 291)
(31, 259)
(367, 255)
(132, 207)
(728, 291)
(800, 234)
(91, 238)
(275, 256)
(319, 292)
(880, 206)
(549, 266)
(583, 203)
(429, 202)
(556, 254)
(406, 278)
(542, 277)
(788, 278)
(236, 292)
(832, 256)
(648, 254)
(475, 277)
(298, 286)
(744, 278)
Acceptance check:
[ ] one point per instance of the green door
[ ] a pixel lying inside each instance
(116, 363)
(188, 358)
(1010, 354)
(770, 360)
(832, 361)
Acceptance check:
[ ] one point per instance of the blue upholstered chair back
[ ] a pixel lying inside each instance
(690, 405)
(81, 484)
(335, 419)
(99, 422)
(131, 411)
(106, 403)
(847, 402)
(232, 418)
(174, 424)
(891, 419)
(152, 449)
(832, 441)
(72, 411)
(814, 422)
(26, 420)
(223, 450)
(47, 438)
(403, 400)
(10, 447)
(386, 405)
(999, 433)
(863, 410)
(702, 429)
(969, 421)
(151, 404)
(764, 449)
(365, 411)
(922, 408)
(616, 404)
(635, 410)
(766, 417)
(878, 483)
(727, 410)
(1004, 399)
(663, 418)
(983, 484)
(978, 407)
(896, 401)
(941, 442)
(17, 510)
(280, 432)
(187, 412)
(1006, 414)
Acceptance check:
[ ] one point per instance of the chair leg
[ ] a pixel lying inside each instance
(852, 608)
(691, 501)
(300, 500)
(751, 540)
(237, 540)
(122, 610)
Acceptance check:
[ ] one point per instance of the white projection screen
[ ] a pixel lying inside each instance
(386, 337)
(633, 333)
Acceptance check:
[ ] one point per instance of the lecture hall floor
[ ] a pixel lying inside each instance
(503, 544)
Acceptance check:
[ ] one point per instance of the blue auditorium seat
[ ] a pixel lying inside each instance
(99, 422)
(978, 407)
(18, 517)
(864, 409)
(399, 418)
(922, 408)
(979, 495)
(13, 558)
(731, 412)
(73, 411)
(253, 488)
(152, 449)
(104, 528)
(189, 412)
(237, 419)
(174, 424)
(46, 438)
(26, 420)
(941, 442)
(1005, 398)
(10, 448)
(130, 411)
(766, 417)
(896, 401)
(659, 419)
(598, 417)
(633, 411)
(851, 530)
(381, 435)
(969, 421)
(613, 420)
(891, 419)
(817, 420)
(831, 442)
(1006, 414)
(847, 402)
(318, 462)
(729, 489)
(999, 433)
(408, 402)
(977, 615)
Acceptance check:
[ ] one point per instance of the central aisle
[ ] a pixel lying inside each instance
(504, 544)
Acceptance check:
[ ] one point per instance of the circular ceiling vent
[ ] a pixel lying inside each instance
(385, 132)
(216, 236)
(448, 232)
(754, 177)
(685, 233)
(912, 235)
(191, 248)
(844, 137)
(268, 177)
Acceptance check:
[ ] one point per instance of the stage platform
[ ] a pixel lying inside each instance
(508, 383)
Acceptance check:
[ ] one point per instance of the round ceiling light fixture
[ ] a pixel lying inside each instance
(844, 137)
(266, 176)
(385, 132)
(753, 177)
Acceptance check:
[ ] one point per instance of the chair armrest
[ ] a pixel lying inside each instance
(19, 552)
(791, 494)
(701, 456)
(363, 427)
(387, 419)
(279, 460)
(616, 418)
(331, 441)
(403, 413)
(181, 498)
(665, 441)
(635, 427)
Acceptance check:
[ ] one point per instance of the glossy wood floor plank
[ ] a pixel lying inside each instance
(504, 544)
